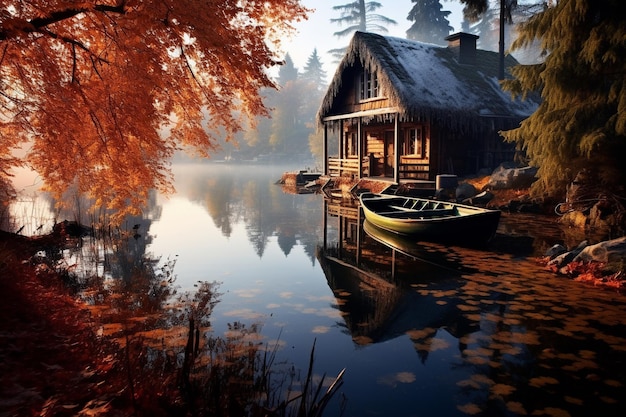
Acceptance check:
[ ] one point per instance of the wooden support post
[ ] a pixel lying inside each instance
(325, 149)
(342, 140)
(360, 148)
(396, 149)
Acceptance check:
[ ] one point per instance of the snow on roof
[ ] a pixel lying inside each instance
(427, 80)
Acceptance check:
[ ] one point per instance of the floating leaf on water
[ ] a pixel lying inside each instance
(405, 377)
(516, 408)
(465, 307)
(513, 350)
(467, 339)
(581, 364)
(502, 390)
(499, 346)
(362, 340)
(512, 321)
(473, 317)
(538, 316)
(438, 344)
(587, 354)
(468, 383)
(527, 338)
(613, 383)
(440, 294)
(541, 381)
(496, 318)
(320, 329)
(608, 400)
(526, 298)
(553, 412)
(522, 306)
(482, 379)
(470, 409)
(572, 400)
(480, 351)
(416, 334)
(567, 356)
(424, 347)
(548, 353)
(477, 360)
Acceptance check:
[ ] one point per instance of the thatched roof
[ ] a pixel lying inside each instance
(426, 81)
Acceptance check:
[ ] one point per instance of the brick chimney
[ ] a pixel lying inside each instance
(464, 47)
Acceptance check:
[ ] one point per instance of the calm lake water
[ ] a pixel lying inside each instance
(422, 329)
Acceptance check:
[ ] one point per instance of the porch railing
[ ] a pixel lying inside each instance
(409, 169)
(338, 167)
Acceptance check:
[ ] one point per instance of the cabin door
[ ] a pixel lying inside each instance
(389, 154)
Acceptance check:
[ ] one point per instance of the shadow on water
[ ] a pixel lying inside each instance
(527, 342)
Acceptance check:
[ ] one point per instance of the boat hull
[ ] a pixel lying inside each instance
(441, 221)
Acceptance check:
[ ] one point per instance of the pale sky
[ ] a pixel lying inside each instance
(317, 31)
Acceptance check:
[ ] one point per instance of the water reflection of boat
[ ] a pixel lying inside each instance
(430, 219)
(376, 310)
(394, 241)
(412, 249)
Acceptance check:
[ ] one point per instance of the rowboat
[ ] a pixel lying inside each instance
(430, 219)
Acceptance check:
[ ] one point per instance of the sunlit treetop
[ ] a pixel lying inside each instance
(101, 93)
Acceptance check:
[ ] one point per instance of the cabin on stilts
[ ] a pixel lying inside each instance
(403, 110)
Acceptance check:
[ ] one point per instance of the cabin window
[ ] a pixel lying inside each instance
(351, 142)
(414, 142)
(369, 87)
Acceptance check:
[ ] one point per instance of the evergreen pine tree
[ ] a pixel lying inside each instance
(314, 71)
(487, 29)
(431, 23)
(359, 16)
(287, 72)
(581, 122)
(314, 86)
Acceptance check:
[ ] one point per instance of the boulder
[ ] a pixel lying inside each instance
(465, 190)
(505, 177)
(608, 252)
(555, 250)
(563, 259)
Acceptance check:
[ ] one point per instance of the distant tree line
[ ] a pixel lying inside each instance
(285, 135)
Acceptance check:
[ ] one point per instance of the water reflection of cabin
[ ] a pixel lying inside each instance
(409, 110)
(374, 285)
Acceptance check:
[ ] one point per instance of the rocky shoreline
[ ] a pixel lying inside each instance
(507, 188)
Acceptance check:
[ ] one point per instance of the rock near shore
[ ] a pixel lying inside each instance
(602, 263)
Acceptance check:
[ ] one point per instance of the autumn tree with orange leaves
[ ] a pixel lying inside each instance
(100, 94)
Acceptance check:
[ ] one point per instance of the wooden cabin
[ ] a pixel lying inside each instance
(406, 110)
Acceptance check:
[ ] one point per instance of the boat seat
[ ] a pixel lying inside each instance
(436, 212)
(420, 213)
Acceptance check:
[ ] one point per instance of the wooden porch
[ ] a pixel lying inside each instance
(408, 168)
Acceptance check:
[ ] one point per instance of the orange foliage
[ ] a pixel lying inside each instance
(105, 91)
